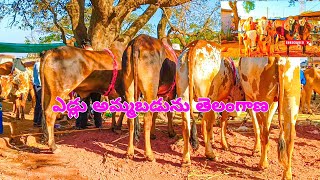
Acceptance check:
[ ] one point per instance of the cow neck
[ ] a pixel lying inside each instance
(169, 48)
(114, 74)
(233, 69)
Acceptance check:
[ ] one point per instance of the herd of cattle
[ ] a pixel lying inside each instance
(269, 32)
(150, 68)
(17, 86)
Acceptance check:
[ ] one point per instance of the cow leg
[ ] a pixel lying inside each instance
(265, 123)
(287, 50)
(153, 129)
(276, 43)
(207, 126)
(239, 36)
(129, 96)
(263, 164)
(33, 100)
(268, 49)
(260, 47)
(23, 105)
(186, 128)
(224, 123)
(308, 100)
(302, 100)
(116, 127)
(257, 144)
(14, 108)
(113, 122)
(286, 139)
(50, 120)
(170, 125)
(314, 95)
(120, 120)
(150, 95)
(18, 108)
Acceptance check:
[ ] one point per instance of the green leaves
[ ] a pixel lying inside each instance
(248, 6)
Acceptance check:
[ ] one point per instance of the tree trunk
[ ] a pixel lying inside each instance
(161, 28)
(233, 6)
(75, 9)
(106, 19)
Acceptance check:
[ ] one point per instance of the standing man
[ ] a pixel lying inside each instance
(82, 121)
(302, 79)
(37, 88)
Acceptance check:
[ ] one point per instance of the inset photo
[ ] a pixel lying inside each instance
(267, 28)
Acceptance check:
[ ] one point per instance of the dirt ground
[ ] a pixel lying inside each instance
(294, 50)
(99, 154)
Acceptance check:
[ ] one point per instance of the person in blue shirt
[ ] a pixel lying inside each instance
(82, 120)
(302, 78)
(37, 88)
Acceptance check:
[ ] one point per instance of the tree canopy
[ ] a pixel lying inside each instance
(106, 21)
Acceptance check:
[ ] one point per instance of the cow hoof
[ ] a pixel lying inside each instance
(263, 166)
(256, 153)
(226, 148)
(153, 136)
(210, 156)
(150, 158)
(172, 134)
(118, 131)
(186, 164)
(54, 149)
(129, 156)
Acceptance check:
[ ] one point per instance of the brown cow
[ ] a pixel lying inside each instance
(275, 80)
(17, 86)
(304, 32)
(287, 28)
(149, 68)
(5, 68)
(67, 69)
(236, 94)
(312, 83)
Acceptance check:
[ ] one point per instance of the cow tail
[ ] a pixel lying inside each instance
(282, 154)
(194, 134)
(135, 59)
(43, 56)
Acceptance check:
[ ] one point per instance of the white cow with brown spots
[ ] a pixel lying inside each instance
(275, 80)
(202, 73)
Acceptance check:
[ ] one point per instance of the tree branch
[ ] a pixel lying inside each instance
(161, 28)
(55, 20)
(204, 27)
(161, 3)
(180, 37)
(138, 24)
(75, 9)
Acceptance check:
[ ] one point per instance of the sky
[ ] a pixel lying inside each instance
(278, 8)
